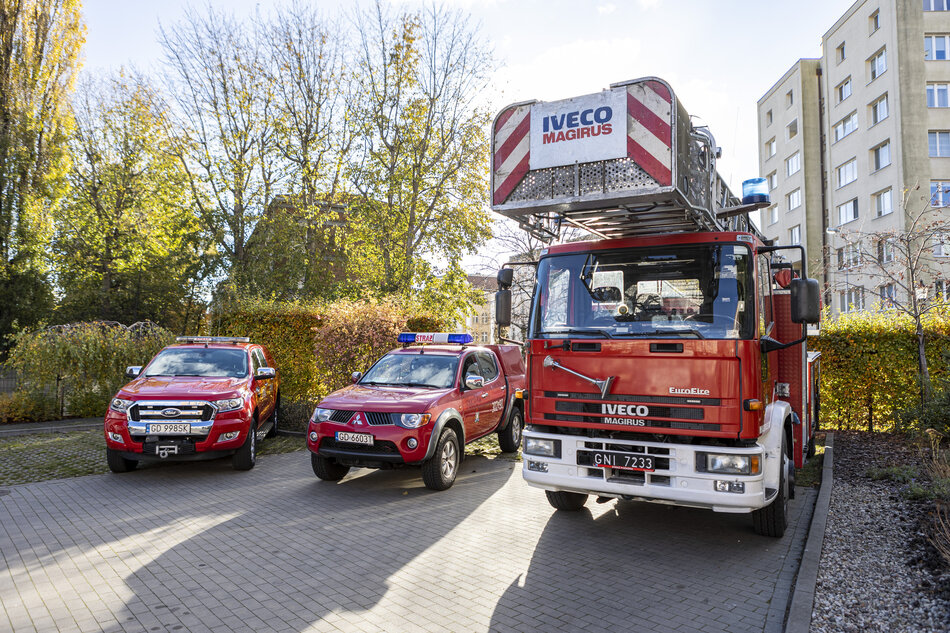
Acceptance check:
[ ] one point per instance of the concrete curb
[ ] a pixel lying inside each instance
(83, 424)
(803, 595)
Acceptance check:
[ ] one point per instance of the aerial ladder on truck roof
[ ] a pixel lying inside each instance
(658, 174)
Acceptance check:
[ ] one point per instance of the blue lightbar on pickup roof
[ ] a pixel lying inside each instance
(453, 338)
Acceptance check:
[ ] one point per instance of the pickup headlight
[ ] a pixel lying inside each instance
(413, 420)
(728, 464)
(120, 405)
(321, 415)
(542, 447)
(229, 404)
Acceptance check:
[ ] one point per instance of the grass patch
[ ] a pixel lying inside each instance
(488, 447)
(902, 474)
(42, 456)
(809, 475)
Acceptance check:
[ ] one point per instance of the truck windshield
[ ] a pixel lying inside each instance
(211, 362)
(413, 370)
(680, 291)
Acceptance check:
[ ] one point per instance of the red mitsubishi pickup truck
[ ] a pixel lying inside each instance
(420, 405)
(206, 397)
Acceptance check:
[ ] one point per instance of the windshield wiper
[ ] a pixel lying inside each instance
(589, 330)
(381, 384)
(687, 330)
(419, 384)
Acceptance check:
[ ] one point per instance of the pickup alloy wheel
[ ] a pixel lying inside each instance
(272, 431)
(246, 456)
(439, 471)
(509, 438)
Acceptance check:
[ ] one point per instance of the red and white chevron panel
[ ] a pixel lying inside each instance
(512, 151)
(649, 133)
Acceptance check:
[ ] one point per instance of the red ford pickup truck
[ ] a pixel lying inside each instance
(206, 397)
(420, 405)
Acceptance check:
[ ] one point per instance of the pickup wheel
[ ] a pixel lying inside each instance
(272, 431)
(773, 518)
(246, 456)
(119, 464)
(569, 501)
(327, 469)
(509, 438)
(440, 470)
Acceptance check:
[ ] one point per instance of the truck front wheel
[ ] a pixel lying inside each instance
(569, 501)
(119, 464)
(246, 456)
(773, 518)
(440, 470)
(509, 438)
(327, 469)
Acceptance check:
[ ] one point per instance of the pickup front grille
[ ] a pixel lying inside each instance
(165, 411)
(374, 418)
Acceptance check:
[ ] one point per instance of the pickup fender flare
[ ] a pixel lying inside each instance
(510, 405)
(776, 415)
(444, 418)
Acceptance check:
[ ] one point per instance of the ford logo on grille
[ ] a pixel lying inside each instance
(171, 412)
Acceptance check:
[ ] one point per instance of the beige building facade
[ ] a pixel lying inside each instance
(870, 121)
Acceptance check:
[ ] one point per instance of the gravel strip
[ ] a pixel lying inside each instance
(875, 572)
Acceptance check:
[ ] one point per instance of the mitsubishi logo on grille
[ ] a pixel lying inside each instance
(171, 412)
(358, 419)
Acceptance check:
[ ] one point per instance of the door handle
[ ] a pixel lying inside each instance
(484, 395)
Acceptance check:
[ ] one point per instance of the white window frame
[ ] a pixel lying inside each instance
(846, 126)
(795, 235)
(773, 214)
(794, 199)
(881, 156)
(848, 211)
(936, 47)
(773, 180)
(843, 90)
(940, 246)
(879, 109)
(849, 256)
(938, 95)
(846, 173)
(789, 98)
(888, 293)
(840, 53)
(938, 143)
(790, 131)
(940, 193)
(874, 22)
(770, 148)
(852, 299)
(885, 251)
(878, 64)
(793, 164)
(936, 5)
(768, 118)
(883, 203)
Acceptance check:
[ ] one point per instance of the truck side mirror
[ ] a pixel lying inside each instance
(505, 278)
(806, 306)
(133, 371)
(503, 308)
(355, 378)
(265, 373)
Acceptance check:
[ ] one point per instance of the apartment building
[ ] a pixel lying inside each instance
(857, 144)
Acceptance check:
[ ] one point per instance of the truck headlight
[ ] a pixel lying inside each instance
(229, 404)
(728, 464)
(413, 420)
(545, 448)
(120, 405)
(321, 415)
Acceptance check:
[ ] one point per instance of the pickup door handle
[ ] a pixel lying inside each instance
(484, 395)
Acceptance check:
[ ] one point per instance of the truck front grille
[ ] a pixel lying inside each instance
(374, 418)
(164, 411)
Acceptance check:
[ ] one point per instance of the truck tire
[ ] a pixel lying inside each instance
(119, 464)
(773, 518)
(440, 470)
(509, 438)
(246, 456)
(327, 469)
(272, 431)
(811, 448)
(568, 501)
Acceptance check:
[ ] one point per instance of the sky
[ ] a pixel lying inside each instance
(719, 56)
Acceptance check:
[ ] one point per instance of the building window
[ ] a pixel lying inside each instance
(874, 22)
(879, 110)
(941, 248)
(939, 193)
(848, 211)
(935, 47)
(939, 143)
(768, 118)
(847, 173)
(773, 181)
(793, 164)
(846, 126)
(877, 65)
(849, 256)
(791, 130)
(885, 251)
(795, 235)
(839, 53)
(888, 293)
(789, 99)
(794, 199)
(936, 5)
(484, 337)
(940, 289)
(882, 203)
(937, 96)
(881, 156)
(773, 214)
(843, 90)
(852, 299)
(770, 148)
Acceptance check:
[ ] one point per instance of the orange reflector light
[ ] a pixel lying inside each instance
(754, 465)
(754, 405)
(519, 393)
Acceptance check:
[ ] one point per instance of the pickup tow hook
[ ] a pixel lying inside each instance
(602, 385)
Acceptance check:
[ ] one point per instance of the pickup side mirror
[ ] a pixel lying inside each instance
(355, 378)
(133, 371)
(474, 382)
(805, 304)
(503, 306)
(265, 373)
(505, 278)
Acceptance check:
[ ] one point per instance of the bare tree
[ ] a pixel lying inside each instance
(219, 78)
(901, 265)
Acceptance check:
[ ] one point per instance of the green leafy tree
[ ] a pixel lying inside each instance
(40, 42)
(128, 245)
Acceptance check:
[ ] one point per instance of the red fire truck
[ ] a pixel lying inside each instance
(666, 359)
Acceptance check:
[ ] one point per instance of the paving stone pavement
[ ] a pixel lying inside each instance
(200, 547)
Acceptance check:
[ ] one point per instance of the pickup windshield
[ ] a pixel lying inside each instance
(679, 291)
(209, 362)
(413, 370)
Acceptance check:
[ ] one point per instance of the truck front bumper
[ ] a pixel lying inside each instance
(674, 480)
